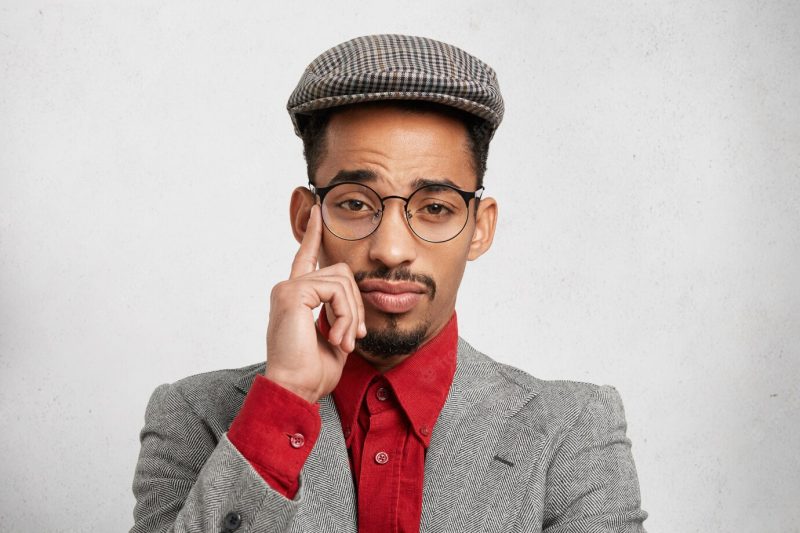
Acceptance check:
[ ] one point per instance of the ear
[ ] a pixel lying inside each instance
(300, 211)
(485, 223)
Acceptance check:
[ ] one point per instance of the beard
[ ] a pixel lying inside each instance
(391, 341)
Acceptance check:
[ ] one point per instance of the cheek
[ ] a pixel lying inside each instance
(334, 250)
(328, 250)
(448, 269)
(451, 279)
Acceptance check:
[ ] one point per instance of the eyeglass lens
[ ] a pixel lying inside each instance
(435, 213)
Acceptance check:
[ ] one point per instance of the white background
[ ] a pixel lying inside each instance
(648, 173)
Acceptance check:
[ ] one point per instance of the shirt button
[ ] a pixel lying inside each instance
(381, 458)
(425, 431)
(297, 440)
(347, 432)
(382, 394)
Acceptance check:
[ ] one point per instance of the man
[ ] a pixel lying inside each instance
(376, 416)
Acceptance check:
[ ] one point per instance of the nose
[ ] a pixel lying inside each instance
(393, 243)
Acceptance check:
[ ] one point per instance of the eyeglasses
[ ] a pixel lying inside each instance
(435, 213)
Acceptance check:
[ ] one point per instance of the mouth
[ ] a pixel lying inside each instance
(393, 298)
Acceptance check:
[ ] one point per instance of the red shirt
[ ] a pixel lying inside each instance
(387, 420)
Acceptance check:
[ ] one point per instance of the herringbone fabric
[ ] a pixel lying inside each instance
(397, 67)
(509, 453)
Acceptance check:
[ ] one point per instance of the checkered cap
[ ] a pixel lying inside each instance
(397, 67)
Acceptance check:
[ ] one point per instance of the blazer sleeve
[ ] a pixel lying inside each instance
(591, 482)
(187, 479)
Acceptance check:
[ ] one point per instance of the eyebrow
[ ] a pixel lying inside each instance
(363, 175)
(358, 176)
(424, 182)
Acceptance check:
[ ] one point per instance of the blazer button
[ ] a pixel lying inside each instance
(231, 522)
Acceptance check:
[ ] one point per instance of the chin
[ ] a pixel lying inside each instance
(380, 322)
(391, 341)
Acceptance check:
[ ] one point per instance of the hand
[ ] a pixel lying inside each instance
(299, 358)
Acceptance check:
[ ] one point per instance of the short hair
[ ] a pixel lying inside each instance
(479, 131)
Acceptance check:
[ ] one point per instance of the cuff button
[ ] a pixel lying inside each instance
(297, 440)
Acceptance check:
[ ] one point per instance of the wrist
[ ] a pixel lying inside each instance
(282, 380)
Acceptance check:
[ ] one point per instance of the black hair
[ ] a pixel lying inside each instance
(314, 127)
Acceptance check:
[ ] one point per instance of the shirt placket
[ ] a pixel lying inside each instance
(381, 461)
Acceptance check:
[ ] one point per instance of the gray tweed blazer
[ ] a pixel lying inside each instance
(508, 453)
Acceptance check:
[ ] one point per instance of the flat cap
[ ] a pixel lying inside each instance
(397, 67)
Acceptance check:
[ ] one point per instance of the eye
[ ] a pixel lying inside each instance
(435, 209)
(353, 205)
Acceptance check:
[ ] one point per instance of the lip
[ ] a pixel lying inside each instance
(394, 298)
(377, 285)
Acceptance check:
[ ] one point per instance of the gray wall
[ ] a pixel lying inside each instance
(648, 174)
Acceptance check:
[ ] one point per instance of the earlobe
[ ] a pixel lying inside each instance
(485, 223)
(299, 211)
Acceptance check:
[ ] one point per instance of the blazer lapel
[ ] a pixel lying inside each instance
(465, 439)
(326, 480)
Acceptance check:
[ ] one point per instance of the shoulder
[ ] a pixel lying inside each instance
(215, 397)
(552, 405)
(217, 384)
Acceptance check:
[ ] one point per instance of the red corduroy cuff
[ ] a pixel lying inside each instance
(275, 431)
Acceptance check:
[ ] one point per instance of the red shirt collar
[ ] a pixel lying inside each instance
(420, 383)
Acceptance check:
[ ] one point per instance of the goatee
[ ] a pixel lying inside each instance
(391, 342)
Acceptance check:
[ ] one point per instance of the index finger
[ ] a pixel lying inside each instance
(305, 261)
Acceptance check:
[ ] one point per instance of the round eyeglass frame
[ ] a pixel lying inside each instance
(321, 192)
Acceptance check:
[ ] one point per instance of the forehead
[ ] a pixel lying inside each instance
(397, 148)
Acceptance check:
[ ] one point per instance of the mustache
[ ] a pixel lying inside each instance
(398, 274)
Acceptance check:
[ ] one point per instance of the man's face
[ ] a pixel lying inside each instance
(393, 151)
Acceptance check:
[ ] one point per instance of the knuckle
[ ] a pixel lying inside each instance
(279, 291)
(343, 269)
(276, 290)
(338, 283)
